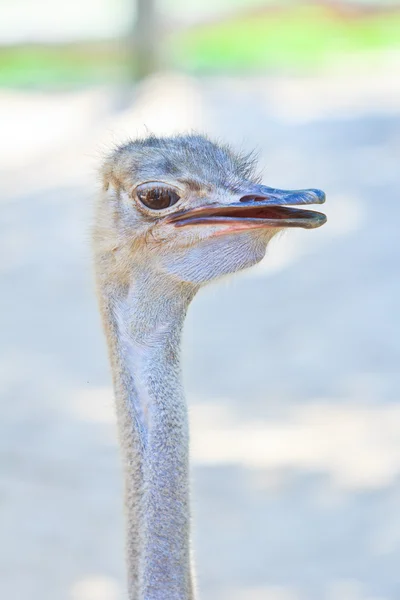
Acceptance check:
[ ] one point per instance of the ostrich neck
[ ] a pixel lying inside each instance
(144, 324)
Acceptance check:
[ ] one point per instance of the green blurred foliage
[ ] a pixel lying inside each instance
(303, 37)
(295, 39)
(39, 66)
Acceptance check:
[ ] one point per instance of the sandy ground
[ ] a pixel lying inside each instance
(292, 369)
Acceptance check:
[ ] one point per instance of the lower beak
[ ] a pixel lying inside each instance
(263, 207)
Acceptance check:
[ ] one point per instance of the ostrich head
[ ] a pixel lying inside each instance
(192, 209)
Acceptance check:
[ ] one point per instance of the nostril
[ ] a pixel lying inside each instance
(253, 198)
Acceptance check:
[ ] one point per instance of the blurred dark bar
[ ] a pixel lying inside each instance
(145, 36)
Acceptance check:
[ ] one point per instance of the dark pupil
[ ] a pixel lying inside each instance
(158, 198)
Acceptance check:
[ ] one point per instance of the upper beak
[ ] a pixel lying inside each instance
(262, 207)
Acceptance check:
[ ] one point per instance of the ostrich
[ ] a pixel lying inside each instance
(174, 213)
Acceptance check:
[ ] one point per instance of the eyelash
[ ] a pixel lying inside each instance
(157, 198)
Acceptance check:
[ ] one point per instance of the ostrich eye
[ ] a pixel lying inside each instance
(156, 198)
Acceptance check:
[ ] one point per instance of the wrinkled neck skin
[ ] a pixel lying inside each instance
(143, 321)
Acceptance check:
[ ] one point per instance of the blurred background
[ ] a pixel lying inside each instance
(294, 403)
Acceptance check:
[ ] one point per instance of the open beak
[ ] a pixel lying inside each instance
(263, 207)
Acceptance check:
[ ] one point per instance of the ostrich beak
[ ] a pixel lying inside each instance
(262, 207)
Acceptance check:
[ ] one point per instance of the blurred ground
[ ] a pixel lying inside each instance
(292, 369)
